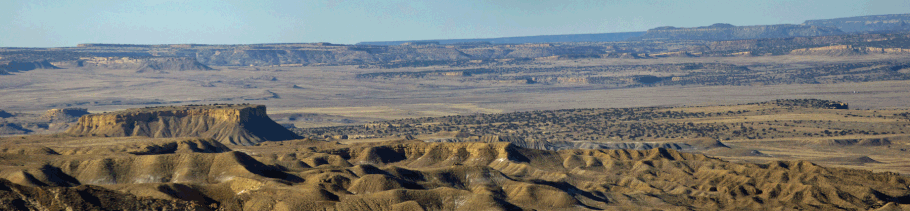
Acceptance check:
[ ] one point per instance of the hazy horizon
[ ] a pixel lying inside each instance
(45, 23)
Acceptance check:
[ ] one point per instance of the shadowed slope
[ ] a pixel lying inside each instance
(503, 176)
(18, 197)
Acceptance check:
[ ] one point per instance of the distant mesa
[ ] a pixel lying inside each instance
(8, 67)
(228, 124)
(139, 64)
(872, 23)
(601, 37)
(723, 31)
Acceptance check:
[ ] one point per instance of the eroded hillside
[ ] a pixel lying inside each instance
(311, 174)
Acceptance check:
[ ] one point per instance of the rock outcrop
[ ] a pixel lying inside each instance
(720, 31)
(64, 113)
(59, 119)
(229, 124)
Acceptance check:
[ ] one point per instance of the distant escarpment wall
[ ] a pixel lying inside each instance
(846, 50)
(730, 32)
(872, 23)
(229, 124)
(139, 64)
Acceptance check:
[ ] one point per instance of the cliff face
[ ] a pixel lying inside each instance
(896, 22)
(729, 32)
(229, 124)
(140, 64)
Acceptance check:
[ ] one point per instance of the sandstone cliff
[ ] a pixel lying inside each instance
(229, 124)
(729, 32)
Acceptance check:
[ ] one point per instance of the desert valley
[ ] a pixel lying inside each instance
(811, 116)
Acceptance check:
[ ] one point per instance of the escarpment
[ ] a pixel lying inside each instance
(847, 50)
(719, 31)
(139, 64)
(872, 23)
(229, 124)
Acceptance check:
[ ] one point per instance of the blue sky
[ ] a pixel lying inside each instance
(54, 23)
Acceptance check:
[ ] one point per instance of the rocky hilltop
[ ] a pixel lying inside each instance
(722, 31)
(228, 124)
(872, 23)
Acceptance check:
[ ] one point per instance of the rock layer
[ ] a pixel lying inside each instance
(229, 124)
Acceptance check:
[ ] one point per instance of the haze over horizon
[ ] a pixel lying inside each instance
(44, 23)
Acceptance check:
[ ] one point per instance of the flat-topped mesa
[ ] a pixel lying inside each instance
(722, 31)
(229, 124)
(6, 67)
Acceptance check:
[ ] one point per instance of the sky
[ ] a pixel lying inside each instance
(56, 23)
